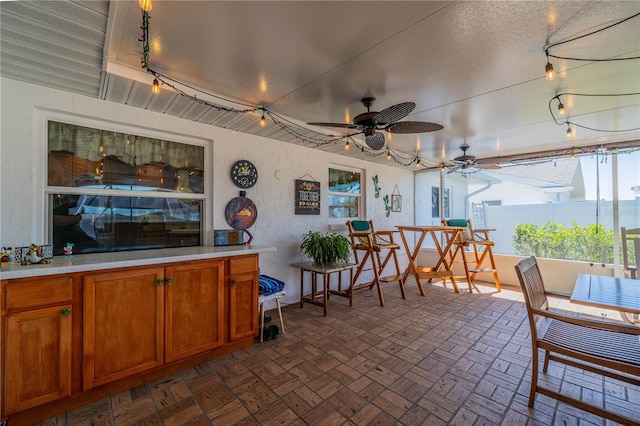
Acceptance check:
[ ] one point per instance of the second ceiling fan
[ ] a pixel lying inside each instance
(465, 162)
(388, 119)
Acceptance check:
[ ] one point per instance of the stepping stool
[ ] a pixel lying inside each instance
(261, 299)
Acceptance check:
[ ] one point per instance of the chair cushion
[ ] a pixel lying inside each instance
(457, 222)
(360, 225)
(466, 234)
(268, 285)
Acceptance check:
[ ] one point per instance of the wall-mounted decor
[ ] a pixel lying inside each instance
(386, 205)
(376, 188)
(241, 214)
(244, 174)
(307, 195)
(396, 200)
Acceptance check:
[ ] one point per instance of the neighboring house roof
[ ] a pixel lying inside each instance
(543, 175)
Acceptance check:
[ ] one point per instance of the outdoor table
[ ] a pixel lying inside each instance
(443, 268)
(316, 269)
(621, 294)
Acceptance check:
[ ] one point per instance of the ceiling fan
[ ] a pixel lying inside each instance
(388, 119)
(467, 163)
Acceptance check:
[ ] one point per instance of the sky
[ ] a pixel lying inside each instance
(628, 175)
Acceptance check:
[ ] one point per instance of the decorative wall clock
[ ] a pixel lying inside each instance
(244, 174)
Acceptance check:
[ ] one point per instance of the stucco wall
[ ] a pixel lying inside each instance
(22, 162)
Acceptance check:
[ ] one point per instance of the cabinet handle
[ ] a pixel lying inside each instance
(160, 281)
(234, 282)
(66, 312)
(169, 281)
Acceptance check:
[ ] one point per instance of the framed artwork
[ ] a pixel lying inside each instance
(396, 203)
(307, 197)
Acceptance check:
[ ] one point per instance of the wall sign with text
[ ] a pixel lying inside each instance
(307, 197)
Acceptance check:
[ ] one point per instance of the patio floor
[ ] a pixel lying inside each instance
(446, 358)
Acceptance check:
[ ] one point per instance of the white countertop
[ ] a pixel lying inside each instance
(122, 259)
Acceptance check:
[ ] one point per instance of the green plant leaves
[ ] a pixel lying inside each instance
(326, 248)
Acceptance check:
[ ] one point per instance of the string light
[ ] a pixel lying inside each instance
(292, 129)
(145, 5)
(561, 110)
(550, 74)
(569, 132)
(546, 49)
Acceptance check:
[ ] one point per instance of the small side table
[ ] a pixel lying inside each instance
(316, 269)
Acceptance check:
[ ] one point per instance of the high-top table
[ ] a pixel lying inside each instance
(443, 268)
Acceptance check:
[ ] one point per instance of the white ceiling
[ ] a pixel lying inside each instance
(475, 67)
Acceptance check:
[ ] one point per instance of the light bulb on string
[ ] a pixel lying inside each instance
(263, 121)
(145, 5)
(569, 132)
(550, 74)
(560, 107)
(346, 146)
(155, 88)
(388, 154)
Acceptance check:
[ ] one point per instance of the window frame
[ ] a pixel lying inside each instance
(43, 229)
(446, 212)
(360, 196)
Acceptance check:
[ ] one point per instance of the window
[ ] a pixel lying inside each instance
(345, 196)
(435, 202)
(112, 191)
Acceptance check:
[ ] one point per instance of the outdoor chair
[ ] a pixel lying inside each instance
(630, 251)
(474, 241)
(606, 348)
(373, 250)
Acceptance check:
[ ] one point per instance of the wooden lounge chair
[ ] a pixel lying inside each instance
(605, 348)
(373, 250)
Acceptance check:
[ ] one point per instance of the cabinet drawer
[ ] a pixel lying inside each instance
(29, 293)
(238, 265)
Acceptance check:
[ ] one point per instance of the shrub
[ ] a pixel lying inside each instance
(552, 240)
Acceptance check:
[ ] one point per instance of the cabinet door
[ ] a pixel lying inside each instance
(243, 306)
(123, 324)
(38, 357)
(194, 309)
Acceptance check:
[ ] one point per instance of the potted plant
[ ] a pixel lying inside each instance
(326, 248)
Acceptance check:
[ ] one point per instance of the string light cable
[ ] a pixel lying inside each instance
(298, 131)
(573, 123)
(546, 49)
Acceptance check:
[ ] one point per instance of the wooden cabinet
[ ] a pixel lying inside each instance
(194, 314)
(123, 324)
(243, 297)
(38, 342)
(66, 335)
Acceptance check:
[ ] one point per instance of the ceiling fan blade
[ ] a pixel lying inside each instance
(413, 127)
(464, 159)
(487, 166)
(393, 113)
(340, 125)
(375, 141)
